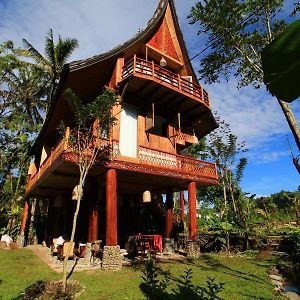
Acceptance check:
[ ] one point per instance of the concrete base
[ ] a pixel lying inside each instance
(20, 240)
(112, 259)
(193, 249)
(169, 246)
(88, 253)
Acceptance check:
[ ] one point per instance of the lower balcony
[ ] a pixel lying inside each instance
(59, 168)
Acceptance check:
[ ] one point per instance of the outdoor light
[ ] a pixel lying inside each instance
(163, 62)
(146, 197)
(75, 193)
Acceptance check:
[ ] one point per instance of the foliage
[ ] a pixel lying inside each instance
(156, 289)
(235, 33)
(21, 105)
(25, 87)
(281, 206)
(52, 63)
(230, 203)
(294, 242)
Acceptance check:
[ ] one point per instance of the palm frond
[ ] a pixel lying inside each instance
(34, 54)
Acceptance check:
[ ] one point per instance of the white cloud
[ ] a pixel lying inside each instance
(254, 115)
(266, 156)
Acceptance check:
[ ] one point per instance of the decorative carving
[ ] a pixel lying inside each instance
(163, 41)
(160, 172)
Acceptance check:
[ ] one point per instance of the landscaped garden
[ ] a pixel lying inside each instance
(243, 277)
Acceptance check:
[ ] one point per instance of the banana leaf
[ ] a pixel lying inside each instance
(281, 64)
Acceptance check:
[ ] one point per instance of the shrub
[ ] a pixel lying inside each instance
(156, 289)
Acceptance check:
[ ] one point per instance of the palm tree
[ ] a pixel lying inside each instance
(56, 56)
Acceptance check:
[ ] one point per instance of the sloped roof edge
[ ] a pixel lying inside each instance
(159, 13)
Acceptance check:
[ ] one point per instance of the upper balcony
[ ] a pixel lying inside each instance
(141, 69)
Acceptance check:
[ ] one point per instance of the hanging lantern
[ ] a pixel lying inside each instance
(146, 197)
(75, 193)
(195, 139)
(163, 62)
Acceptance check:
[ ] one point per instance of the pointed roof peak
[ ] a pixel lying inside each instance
(142, 34)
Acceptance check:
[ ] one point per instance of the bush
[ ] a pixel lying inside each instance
(156, 289)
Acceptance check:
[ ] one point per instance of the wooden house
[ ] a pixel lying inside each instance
(163, 111)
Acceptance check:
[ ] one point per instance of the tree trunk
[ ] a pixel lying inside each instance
(80, 194)
(32, 228)
(291, 121)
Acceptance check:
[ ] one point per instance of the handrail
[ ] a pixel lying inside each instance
(177, 162)
(150, 69)
(146, 156)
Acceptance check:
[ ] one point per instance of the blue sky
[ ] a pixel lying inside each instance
(100, 25)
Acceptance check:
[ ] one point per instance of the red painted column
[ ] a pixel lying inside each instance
(181, 206)
(169, 214)
(93, 224)
(192, 211)
(93, 213)
(24, 218)
(111, 208)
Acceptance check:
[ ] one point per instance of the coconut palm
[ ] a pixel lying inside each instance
(52, 63)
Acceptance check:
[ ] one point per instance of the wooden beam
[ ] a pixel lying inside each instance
(24, 217)
(111, 208)
(169, 214)
(192, 211)
(93, 212)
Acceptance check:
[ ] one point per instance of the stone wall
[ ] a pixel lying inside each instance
(111, 258)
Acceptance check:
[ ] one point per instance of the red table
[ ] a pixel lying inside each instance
(155, 240)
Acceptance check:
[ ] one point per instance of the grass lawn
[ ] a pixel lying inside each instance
(244, 278)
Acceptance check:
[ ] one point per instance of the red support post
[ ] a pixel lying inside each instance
(93, 224)
(181, 206)
(93, 213)
(24, 218)
(111, 208)
(169, 214)
(192, 211)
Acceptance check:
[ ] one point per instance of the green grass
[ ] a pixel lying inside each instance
(244, 278)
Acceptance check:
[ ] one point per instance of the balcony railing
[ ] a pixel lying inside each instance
(148, 69)
(177, 162)
(47, 163)
(146, 157)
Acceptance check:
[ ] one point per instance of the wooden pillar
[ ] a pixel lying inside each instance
(169, 214)
(93, 213)
(192, 211)
(111, 208)
(181, 206)
(24, 218)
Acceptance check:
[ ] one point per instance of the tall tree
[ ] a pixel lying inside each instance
(52, 63)
(237, 31)
(228, 199)
(22, 102)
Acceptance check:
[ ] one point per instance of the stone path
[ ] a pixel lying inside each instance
(83, 264)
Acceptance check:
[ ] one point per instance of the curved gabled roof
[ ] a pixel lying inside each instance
(142, 36)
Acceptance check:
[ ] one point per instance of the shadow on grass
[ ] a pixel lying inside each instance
(215, 265)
